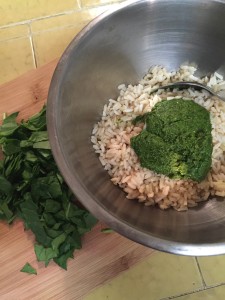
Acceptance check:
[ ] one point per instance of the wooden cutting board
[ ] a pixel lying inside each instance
(102, 257)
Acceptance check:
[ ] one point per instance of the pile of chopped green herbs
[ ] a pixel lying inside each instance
(32, 189)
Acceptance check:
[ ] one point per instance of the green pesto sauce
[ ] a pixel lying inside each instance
(176, 141)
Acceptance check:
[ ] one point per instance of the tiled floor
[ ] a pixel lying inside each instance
(157, 277)
(165, 276)
(33, 33)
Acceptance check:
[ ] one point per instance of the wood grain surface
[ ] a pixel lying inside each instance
(102, 257)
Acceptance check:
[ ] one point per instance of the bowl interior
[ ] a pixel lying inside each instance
(120, 47)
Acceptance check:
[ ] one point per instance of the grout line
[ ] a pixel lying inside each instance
(62, 27)
(183, 294)
(30, 35)
(200, 271)
(79, 3)
(32, 46)
(194, 291)
(26, 22)
(14, 38)
(69, 12)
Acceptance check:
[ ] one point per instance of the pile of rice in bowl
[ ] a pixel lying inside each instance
(111, 140)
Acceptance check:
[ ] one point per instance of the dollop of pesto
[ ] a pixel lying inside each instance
(176, 141)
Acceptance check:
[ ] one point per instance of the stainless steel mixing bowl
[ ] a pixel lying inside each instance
(119, 47)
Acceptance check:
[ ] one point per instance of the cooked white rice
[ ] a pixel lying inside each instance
(111, 140)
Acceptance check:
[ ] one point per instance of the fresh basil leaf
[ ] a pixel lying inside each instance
(5, 186)
(39, 136)
(58, 241)
(29, 211)
(60, 179)
(42, 145)
(25, 143)
(52, 206)
(27, 268)
(37, 122)
(107, 230)
(12, 166)
(1, 166)
(11, 146)
(6, 212)
(31, 157)
(56, 226)
(66, 246)
(79, 222)
(68, 228)
(27, 174)
(90, 220)
(11, 119)
(46, 187)
(9, 125)
(46, 153)
(73, 211)
(49, 219)
(53, 233)
(21, 133)
(61, 216)
(62, 260)
(44, 254)
(75, 240)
